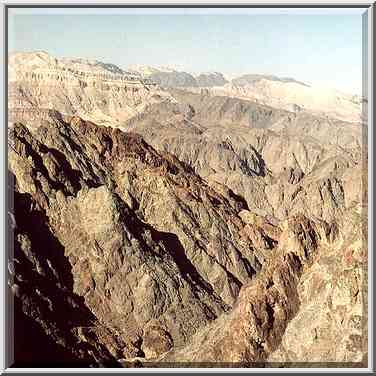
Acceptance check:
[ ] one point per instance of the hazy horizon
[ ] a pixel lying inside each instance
(318, 49)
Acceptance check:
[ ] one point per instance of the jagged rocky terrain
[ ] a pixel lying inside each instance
(96, 91)
(174, 225)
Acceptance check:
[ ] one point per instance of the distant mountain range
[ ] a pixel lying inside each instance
(277, 92)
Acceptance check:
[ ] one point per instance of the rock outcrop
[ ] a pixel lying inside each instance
(204, 226)
(95, 91)
(145, 240)
(281, 164)
(267, 327)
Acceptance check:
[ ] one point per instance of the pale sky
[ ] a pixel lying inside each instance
(321, 47)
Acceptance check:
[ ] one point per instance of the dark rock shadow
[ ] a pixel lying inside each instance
(177, 252)
(45, 309)
(174, 249)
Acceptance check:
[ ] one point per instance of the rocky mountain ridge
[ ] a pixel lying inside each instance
(278, 92)
(195, 280)
(171, 288)
(93, 90)
(97, 90)
(185, 228)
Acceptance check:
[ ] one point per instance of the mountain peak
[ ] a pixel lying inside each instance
(248, 79)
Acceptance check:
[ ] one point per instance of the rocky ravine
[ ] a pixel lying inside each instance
(281, 163)
(97, 195)
(149, 263)
(196, 228)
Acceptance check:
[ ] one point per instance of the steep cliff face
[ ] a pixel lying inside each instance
(96, 91)
(196, 229)
(267, 326)
(150, 263)
(145, 241)
(255, 326)
(280, 163)
(49, 319)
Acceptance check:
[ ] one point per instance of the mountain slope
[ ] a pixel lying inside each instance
(294, 96)
(96, 91)
(278, 92)
(280, 163)
(174, 271)
(189, 224)
(158, 258)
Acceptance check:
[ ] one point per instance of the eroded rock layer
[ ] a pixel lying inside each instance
(182, 226)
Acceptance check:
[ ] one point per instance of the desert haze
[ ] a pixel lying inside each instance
(167, 218)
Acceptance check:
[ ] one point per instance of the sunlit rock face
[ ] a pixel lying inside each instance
(180, 225)
(90, 89)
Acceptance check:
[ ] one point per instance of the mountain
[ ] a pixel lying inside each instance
(249, 79)
(171, 78)
(96, 91)
(106, 94)
(293, 96)
(211, 79)
(129, 266)
(279, 162)
(180, 225)
(147, 70)
(277, 92)
(162, 267)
